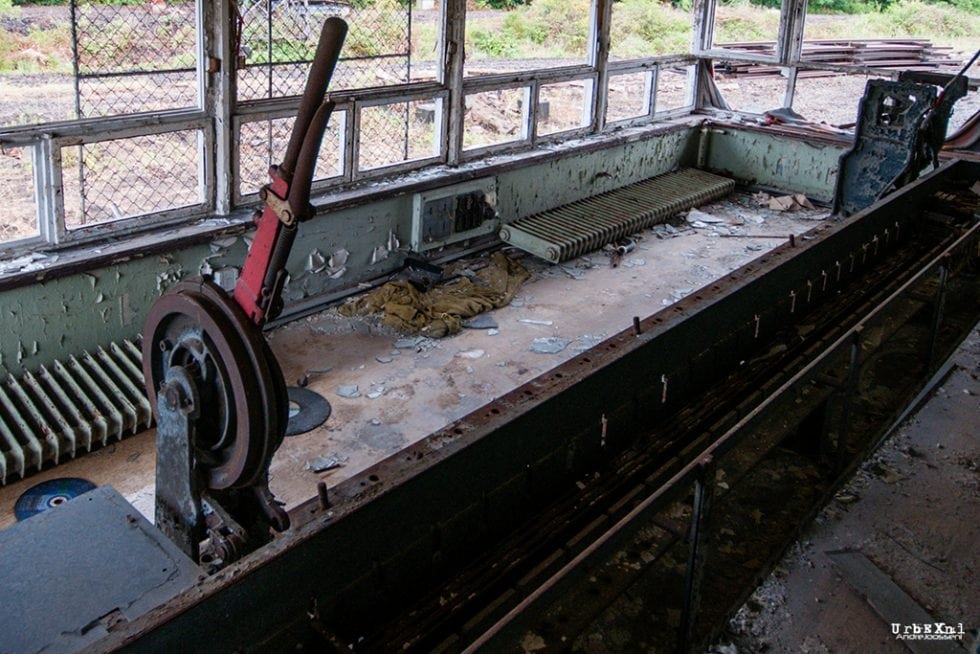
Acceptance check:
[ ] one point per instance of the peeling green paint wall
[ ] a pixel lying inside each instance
(335, 251)
(575, 177)
(788, 164)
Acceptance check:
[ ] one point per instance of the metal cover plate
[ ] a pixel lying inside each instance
(66, 569)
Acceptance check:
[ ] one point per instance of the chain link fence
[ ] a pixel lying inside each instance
(131, 177)
(398, 132)
(134, 58)
(278, 39)
(263, 142)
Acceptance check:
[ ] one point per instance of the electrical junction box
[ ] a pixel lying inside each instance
(454, 213)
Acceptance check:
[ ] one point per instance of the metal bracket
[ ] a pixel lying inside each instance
(178, 487)
(279, 206)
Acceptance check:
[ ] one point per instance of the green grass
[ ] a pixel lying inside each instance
(551, 28)
(543, 29)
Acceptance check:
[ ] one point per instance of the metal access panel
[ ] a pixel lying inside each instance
(70, 573)
(454, 213)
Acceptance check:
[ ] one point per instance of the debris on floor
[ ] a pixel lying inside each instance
(789, 202)
(549, 345)
(348, 391)
(442, 310)
(482, 321)
(324, 463)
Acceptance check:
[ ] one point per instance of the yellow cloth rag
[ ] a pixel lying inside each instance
(441, 310)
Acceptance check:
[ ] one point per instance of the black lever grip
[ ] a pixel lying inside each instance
(324, 61)
(299, 190)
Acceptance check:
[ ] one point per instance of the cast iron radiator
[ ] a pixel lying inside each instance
(52, 414)
(574, 229)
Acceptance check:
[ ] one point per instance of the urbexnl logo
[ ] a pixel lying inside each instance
(928, 631)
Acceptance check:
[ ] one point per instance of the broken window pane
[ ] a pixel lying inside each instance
(752, 88)
(829, 98)
(672, 88)
(564, 106)
(36, 80)
(494, 117)
(424, 31)
(746, 27)
(17, 190)
(262, 143)
(123, 178)
(542, 34)
(629, 96)
(398, 132)
(648, 28)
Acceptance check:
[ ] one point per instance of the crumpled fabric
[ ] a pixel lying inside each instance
(441, 310)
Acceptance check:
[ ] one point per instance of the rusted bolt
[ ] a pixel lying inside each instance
(792, 240)
(792, 301)
(823, 285)
(837, 265)
(809, 290)
(663, 395)
(636, 326)
(758, 321)
(171, 395)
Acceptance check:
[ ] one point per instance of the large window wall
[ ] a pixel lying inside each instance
(160, 113)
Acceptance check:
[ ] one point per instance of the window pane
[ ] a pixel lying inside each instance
(17, 190)
(647, 28)
(750, 88)
(278, 45)
(672, 88)
(136, 57)
(398, 132)
(494, 117)
(629, 96)
(564, 106)
(130, 177)
(263, 143)
(542, 34)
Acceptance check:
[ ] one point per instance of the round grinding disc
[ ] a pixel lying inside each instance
(49, 494)
(307, 410)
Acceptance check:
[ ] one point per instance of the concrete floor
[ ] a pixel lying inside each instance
(913, 509)
(406, 393)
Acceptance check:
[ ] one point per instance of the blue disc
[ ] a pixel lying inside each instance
(49, 494)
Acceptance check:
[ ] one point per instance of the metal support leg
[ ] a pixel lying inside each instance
(703, 492)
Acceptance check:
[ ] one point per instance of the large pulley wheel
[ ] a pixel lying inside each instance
(244, 406)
